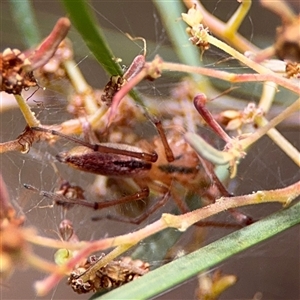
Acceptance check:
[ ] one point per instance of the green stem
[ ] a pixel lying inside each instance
(184, 268)
(81, 86)
(29, 116)
(280, 141)
(267, 97)
(218, 27)
(236, 19)
(242, 58)
(182, 222)
(275, 121)
(176, 31)
(284, 196)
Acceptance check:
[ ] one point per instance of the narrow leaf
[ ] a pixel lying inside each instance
(180, 270)
(25, 20)
(85, 22)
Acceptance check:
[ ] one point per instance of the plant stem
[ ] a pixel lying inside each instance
(280, 141)
(176, 31)
(232, 77)
(275, 121)
(267, 97)
(91, 273)
(97, 120)
(186, 267)
(81, 86)
(40, 264)
(284, 196)
(239, 56)
(218, 28)
(236, 19)
(29, 116)
(54, 244)
(181, 222)
(208, 152)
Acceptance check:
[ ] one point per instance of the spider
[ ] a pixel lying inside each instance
(172, 162)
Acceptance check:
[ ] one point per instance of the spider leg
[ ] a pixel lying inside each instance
(139, 219)
(151, 157)
(62, 200)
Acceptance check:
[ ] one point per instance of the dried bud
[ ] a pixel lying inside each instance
(287, 45)
(15, 72)
(112, 275)
(292, 70)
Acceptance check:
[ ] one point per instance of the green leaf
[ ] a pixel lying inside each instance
(182, 269)
(175, 27)
(25, 20)
(171, 17)
(85, 22)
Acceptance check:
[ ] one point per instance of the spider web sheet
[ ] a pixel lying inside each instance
(265, 166)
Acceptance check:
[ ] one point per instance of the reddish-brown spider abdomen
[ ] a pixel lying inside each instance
(106, 164)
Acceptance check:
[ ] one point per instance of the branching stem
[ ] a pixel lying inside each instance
(181, 222)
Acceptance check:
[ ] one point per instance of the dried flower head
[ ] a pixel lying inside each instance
(287, 44)
(16, 67)
(292, 70)
(112, 87)
(112, 275)
(196, 31)
(193, 17)
(235, 120)
(15, 71)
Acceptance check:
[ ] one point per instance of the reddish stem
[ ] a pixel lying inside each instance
(48, 47)
(200, 104)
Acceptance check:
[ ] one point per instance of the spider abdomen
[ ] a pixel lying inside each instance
(107, 164)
